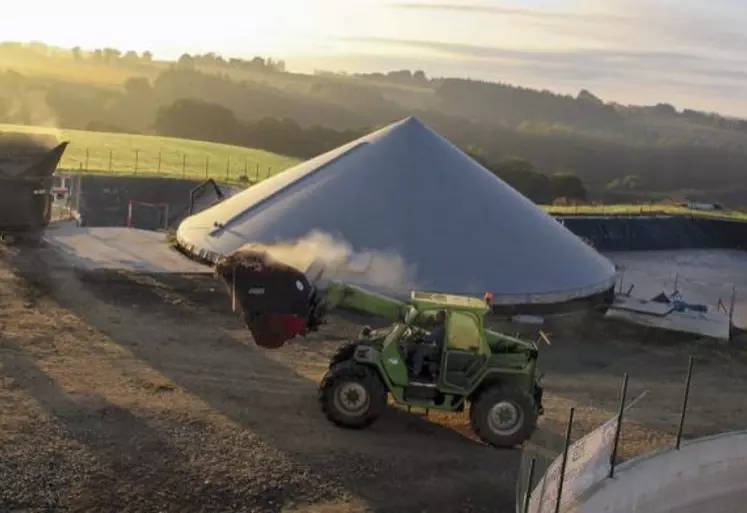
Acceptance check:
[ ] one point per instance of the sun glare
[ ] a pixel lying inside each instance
(169, 28)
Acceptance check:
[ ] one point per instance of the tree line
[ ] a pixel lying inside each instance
(195, 119)
(634, 151)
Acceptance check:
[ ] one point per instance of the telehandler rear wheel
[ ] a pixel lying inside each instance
(503, 416)
(352, 396)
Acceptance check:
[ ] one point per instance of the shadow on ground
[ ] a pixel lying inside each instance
(402, 464)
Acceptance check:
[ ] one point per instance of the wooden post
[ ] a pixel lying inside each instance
(233, 289)
(137, 158)
(110, 159)
(184, 165)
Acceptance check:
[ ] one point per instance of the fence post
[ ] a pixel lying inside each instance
(159, 161)
(564, 461)
(228, 167)
(269, 172)
(207, 166)
(129, 214)
(137, 158)
(530, 478)
(256, 174)
(246, 169)
(184, 165)
(621, 410)
(684, 403)
(110, 159)
(87, 155)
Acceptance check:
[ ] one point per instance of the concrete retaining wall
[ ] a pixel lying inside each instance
(102, 200)
(705, 475)
(646, 233)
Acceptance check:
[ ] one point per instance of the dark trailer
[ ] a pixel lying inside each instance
(27, 163)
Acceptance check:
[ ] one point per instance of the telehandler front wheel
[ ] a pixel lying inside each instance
(352, 396)
(503, 416)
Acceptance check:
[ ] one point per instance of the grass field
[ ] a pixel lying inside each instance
(642, 208)
(129, 154)
(104, 152)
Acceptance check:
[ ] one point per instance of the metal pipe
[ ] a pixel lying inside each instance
(685, 400)
(618, 429)
(530, 478)
(564, 461)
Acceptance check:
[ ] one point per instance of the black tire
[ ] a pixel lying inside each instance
(363, 385)
(344, 352)
(507, 400)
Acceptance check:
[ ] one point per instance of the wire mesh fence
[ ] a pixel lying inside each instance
(235, 169)
(556, 483)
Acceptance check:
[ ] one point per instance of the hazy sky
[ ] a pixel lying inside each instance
(690, 53)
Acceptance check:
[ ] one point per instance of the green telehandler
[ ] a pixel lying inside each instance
(494, 373)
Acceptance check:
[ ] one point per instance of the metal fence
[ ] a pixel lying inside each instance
(550, 483)
(227, 168)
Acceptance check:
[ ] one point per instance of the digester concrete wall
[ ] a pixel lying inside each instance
(646, 233)
(708, 475)
(102, 200)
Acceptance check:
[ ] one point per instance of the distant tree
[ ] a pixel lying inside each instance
(419, 76)
(111, 55)
(586, 96)
(280, 66)
(194, 119)
(566, 185)
(98, 55)
(77, 53)
(147, 56)
(516, 165)
(137, 86)
(186, 62)
(131, 57)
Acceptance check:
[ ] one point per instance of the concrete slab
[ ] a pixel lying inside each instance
(706, 475)
(660, 315)
(119, 249)
(703, 276)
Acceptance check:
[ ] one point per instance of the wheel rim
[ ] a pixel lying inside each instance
(352, 399)
(505, 418)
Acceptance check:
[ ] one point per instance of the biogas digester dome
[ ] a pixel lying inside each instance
(405, 189)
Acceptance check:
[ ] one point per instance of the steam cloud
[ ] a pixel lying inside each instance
(323, 257)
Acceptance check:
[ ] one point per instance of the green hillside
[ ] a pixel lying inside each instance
(103, 152)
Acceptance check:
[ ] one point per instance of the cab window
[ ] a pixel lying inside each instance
(464, 331)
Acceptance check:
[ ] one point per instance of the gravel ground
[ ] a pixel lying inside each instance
(123, 396)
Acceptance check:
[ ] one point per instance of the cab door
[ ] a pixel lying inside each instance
(465, 352)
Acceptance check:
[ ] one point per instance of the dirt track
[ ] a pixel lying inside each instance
(122, 397)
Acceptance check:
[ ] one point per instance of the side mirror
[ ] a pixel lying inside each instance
(409, 315)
